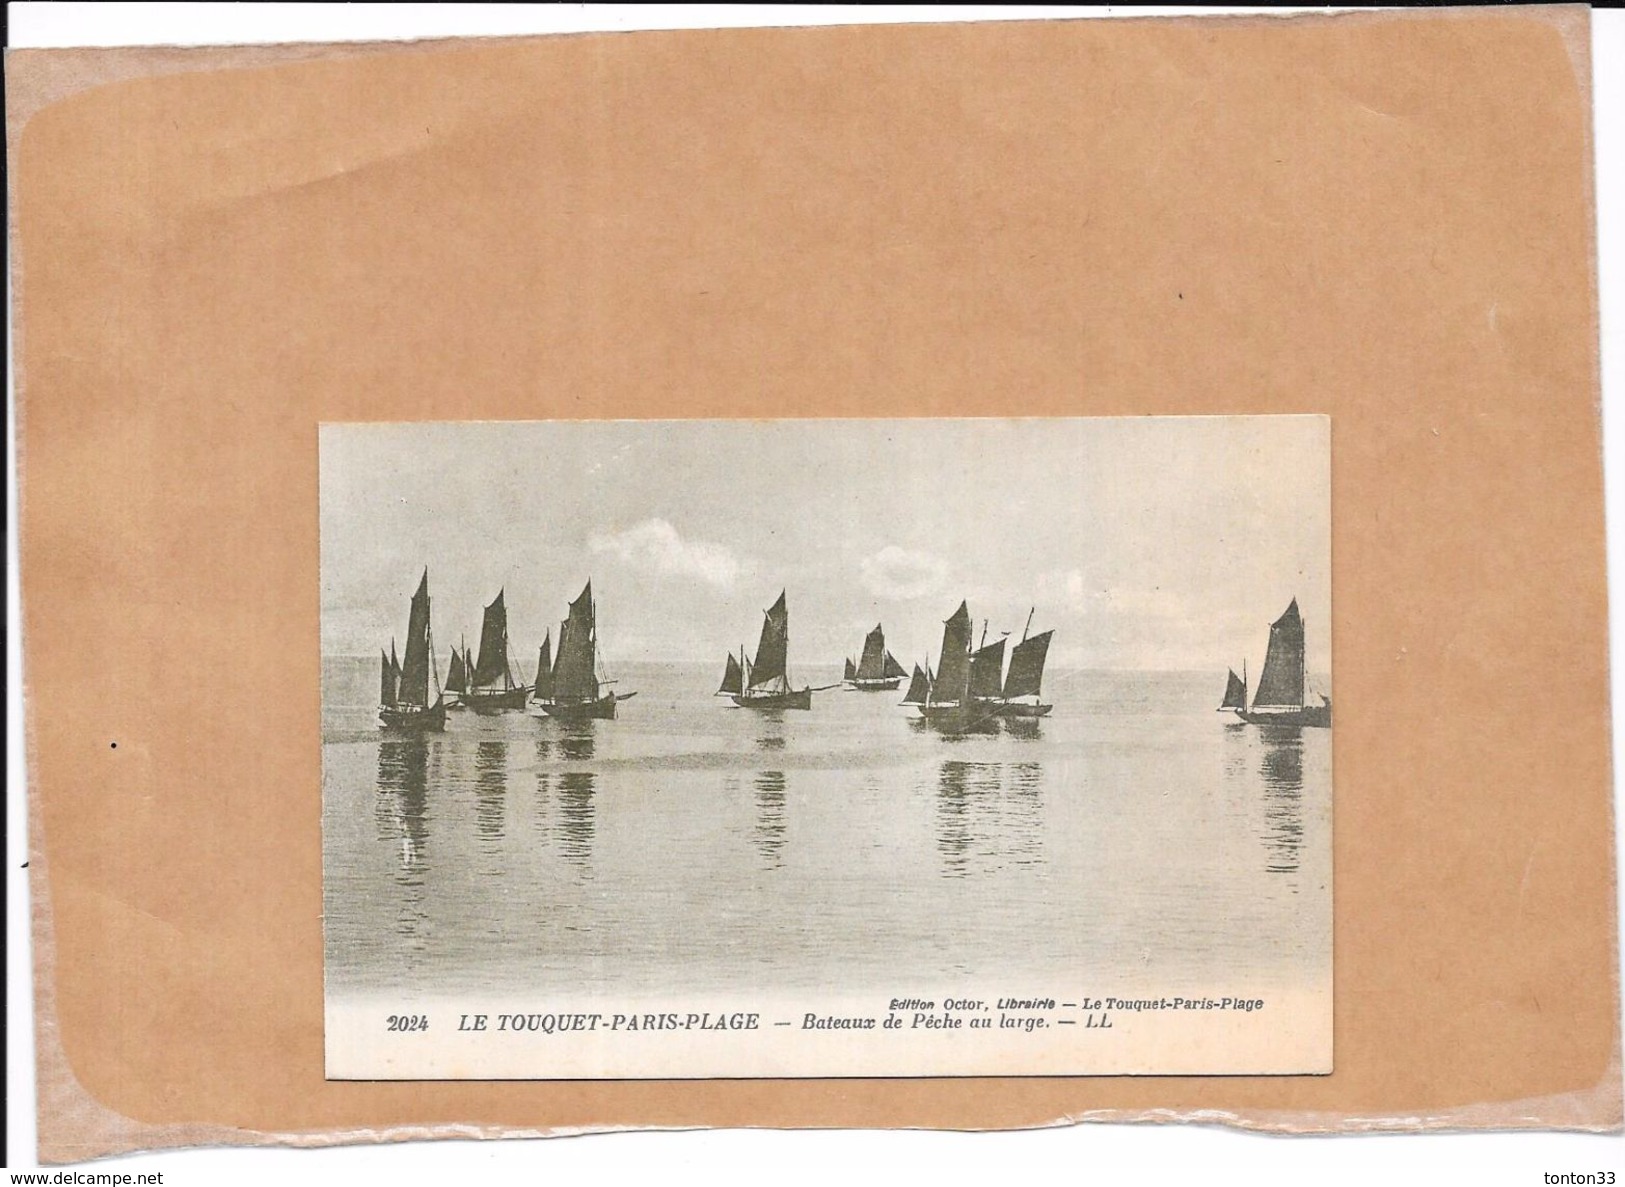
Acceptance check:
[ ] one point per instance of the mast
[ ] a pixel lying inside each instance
(1305, 679)
(434, 663)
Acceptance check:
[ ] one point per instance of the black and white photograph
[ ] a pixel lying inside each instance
(827, 747)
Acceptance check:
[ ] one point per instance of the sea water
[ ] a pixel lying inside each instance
(693, 846)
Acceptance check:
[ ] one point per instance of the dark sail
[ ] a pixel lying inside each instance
(873, 664)
(492, 667)
(544, 669)
(769, 665)
(574, 675)
(413, 688)
(386, 684)
(918, 685)
(986, 666)
(455, 678)
(1280, 684)
(851, 671)
(953, 668)
(1027, 666)
(893, 668)
(733, 680)
(1235, 693)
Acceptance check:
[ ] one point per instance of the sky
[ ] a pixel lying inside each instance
(1143, 542)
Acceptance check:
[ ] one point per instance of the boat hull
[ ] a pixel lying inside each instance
(413, 721)
(1310, 716)
(959, 719)
(774, 700)
(603, 709)
(1022, 709)
(496, 702)
(885, 684)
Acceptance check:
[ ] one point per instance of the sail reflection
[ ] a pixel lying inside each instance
(1282, 771)
(490, 788)
(576, 815)
(770, 817)
(577, 741)
(1028, 729)
(401, 814)
(953, 806)
(989, 816)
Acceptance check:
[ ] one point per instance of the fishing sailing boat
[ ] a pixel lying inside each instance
(948, 703)
(1026, 675)
(765, 682)
(575, 690)
(876, 670)
(404, 702)
(491, 686)
(1282, 684)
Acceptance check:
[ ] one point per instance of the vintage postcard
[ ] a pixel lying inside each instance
(806, 748)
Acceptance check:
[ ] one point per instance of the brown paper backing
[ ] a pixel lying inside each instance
(1383, 217)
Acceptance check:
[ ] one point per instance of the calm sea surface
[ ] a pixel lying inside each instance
(693, 846)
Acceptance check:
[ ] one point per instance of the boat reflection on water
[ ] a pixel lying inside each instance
(953, 808)
(576, 740)
(1281, 767)
(576, 815)
(989, 816)
(401, 813)
(771, 824)
(771, 738)
(570, 790)
(490, 788)
(1028, 729)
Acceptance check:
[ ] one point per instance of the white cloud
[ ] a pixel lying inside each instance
(655, 544)
(895, 572)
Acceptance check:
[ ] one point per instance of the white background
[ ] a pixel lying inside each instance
(1085, 1153)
